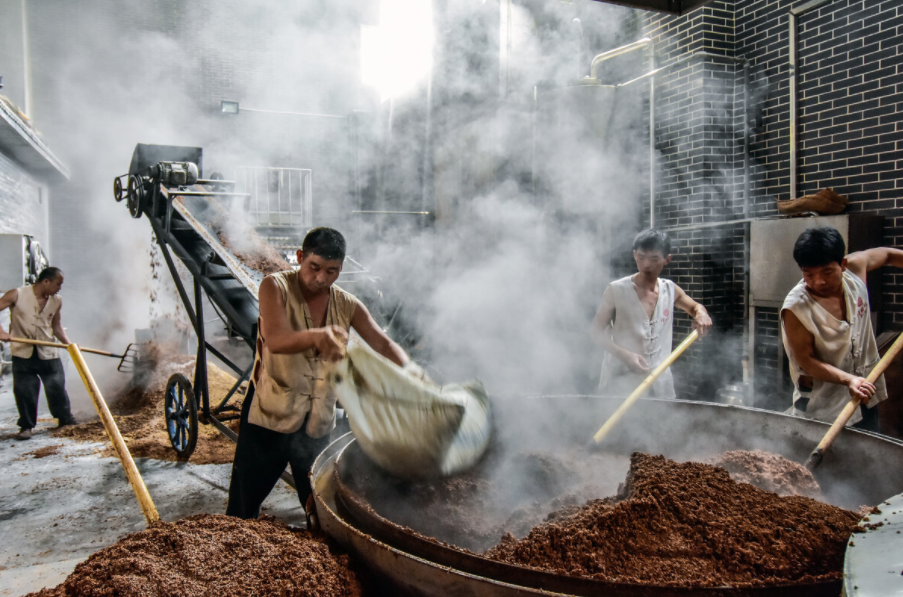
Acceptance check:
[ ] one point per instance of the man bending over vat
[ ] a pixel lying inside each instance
(634, 323)
(289, 409)
(827, 328)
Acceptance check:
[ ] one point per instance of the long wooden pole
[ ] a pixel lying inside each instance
(131, 471)
(840, 422)
(58, 345)
(625, 406)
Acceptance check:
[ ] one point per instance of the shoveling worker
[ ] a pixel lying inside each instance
(289, 409)
(827, 328)
(34, 313)
(634, 322)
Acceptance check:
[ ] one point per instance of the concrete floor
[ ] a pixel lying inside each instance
(57, 510)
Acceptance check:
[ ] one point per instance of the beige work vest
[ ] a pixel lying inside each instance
(848, 345)
(28, 320)
(289, 386)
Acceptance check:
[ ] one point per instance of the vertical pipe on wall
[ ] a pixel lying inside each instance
(651, 49)
(26, 62)
(794, 104)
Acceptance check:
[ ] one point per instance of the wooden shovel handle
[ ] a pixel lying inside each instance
(58, 345)
(840, 422)
(625, 406)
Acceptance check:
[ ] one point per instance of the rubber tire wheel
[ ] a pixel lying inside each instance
(181, 414)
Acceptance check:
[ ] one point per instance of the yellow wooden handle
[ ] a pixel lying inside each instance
(847, 412)
(616, 416)
(131, 471)
(58, 345)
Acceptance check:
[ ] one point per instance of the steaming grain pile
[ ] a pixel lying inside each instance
(213, 555)
(254, 252)
(139, 414)
(688, 524)
(769, 471)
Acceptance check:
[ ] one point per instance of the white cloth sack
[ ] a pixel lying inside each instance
(409, 427)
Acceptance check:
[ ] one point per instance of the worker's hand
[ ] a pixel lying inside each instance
(702, 323)
(636, 363)
(4, 336)
(861, 389)
(331, 342)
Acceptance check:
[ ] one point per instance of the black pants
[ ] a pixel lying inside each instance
(261, 456)
(869, 420)
(27, 377)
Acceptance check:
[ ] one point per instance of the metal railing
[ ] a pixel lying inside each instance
(279, 197)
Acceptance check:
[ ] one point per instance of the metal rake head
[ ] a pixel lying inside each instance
(129, 359)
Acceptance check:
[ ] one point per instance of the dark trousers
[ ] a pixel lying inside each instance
(260, 457)
(869, 420)
(27, 377)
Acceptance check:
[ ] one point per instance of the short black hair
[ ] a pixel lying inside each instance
(652, 240)
(328, 243)
(819, 246)
(49, 273)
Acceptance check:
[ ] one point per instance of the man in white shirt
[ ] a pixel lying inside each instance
(827, 328)
(634, 322)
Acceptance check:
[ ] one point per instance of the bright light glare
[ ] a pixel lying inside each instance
(399, 52)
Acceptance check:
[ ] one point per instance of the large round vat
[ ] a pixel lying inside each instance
(861, 469)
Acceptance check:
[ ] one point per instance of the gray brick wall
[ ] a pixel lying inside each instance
(23, 202)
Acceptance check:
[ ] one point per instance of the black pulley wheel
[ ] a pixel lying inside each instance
(181, 413)
(135, 197)
(118, 191)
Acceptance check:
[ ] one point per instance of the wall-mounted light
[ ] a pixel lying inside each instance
(229, 107)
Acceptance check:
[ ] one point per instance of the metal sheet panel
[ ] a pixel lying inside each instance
(772, 270)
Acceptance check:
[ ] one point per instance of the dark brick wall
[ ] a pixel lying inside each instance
(851, 139)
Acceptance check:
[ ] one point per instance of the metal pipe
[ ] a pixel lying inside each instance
(600, 58)
(652, 161)
(793, 58)
(576, 21)
(411, 213)
(26, 62)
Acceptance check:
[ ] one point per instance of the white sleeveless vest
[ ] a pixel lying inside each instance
(848, 345)
(632, 330)
(28, 320)
(288, 386)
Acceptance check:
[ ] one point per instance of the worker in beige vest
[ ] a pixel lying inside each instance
(289, 409)
(34, 313)
(634, 322)
(827, 331)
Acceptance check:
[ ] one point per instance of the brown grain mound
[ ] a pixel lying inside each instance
(770, 472)
(213, 555)
(139, 415)
(689, 524)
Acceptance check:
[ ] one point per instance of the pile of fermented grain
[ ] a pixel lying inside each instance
(139, 415)
(690, 525)
(769, 471)
(213, 555)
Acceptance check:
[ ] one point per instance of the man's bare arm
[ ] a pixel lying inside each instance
(57, 325)
(701, 320)
(364, 324)
(280, 338)
(862, 262)
(802, 348)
